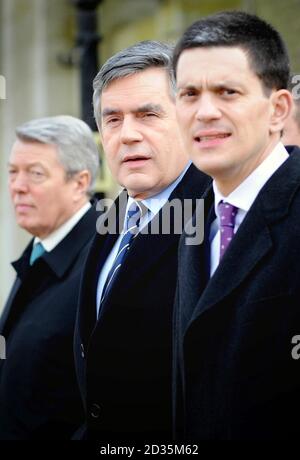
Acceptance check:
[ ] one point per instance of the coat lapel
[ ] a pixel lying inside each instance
(63, 256)
(21, 267)
(148, 249)
(16, 286)
(193, 269)
(253, 241)
(108, 230)
(145, 251)
(53, 264)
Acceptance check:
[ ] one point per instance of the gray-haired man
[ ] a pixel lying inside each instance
(52, 170)
(123, 336)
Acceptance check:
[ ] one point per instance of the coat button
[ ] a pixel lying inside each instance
(82, 350)
(95, 410)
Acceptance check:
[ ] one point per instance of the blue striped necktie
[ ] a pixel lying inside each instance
(130, 231)
(37, 250)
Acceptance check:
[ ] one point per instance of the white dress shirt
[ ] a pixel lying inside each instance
(60, 233)
(154, 205)
(243, 197)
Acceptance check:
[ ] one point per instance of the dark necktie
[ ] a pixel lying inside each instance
(227, 213)
(132, 221)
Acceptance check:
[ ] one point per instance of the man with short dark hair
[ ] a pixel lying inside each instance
(52, 172)
(237, 308)
(123, 334)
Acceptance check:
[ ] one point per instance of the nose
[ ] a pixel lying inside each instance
(207, 109)
(19, 183)
(130, 132)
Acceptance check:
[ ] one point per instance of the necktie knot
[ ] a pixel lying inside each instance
(227, 214)
(133, 218)
(131, 226)
(37, 250)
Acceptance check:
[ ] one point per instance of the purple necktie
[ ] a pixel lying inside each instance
(227, 214)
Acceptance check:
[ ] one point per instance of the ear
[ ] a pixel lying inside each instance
(82, 182)
(282, 102)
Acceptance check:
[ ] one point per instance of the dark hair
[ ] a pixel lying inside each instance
(268, 56)
(136, 58)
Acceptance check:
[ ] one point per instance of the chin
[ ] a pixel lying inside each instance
(207, 165)
(22, 223)
(136, 189)
(137, 194)
(202, 166)
(27, 227)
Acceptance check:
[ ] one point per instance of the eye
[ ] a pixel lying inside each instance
(228, 92)
(149, 115)
(36, 175)
(187, 93)
(12, 174)
(111, 121)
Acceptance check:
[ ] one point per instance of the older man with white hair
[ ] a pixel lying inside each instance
(52, 170)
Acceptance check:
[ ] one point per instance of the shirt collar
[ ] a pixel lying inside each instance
(156, 202)
(60, 233)
(244, 195)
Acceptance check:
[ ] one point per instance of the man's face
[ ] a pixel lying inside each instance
(140, 133)
(225, 116)
(42, 197)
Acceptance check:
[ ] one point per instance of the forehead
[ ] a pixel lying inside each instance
(209, 63)
(28, 152)
(143, 87)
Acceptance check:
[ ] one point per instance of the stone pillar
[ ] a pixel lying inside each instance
(32, 34)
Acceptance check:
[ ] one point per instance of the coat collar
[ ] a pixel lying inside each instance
(102, 243)
(63, 255)
(145, 251)
(60, 261)
(253, 239)
(149, 248)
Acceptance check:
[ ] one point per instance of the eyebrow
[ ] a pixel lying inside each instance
(108, 112)
(30, 165)
(227, 83)
(157, 108)
(149, 108)
(214, 86)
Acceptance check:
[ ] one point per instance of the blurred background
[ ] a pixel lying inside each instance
(50, 50)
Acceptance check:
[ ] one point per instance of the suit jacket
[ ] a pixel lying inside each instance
(39, 396)
(234, 375)
(123, 359)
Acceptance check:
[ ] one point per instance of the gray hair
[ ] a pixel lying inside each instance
(141, 56)
(76, 147)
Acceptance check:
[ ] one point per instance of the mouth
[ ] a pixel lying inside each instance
(22, 208)
(211, 139)
(135, 161)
